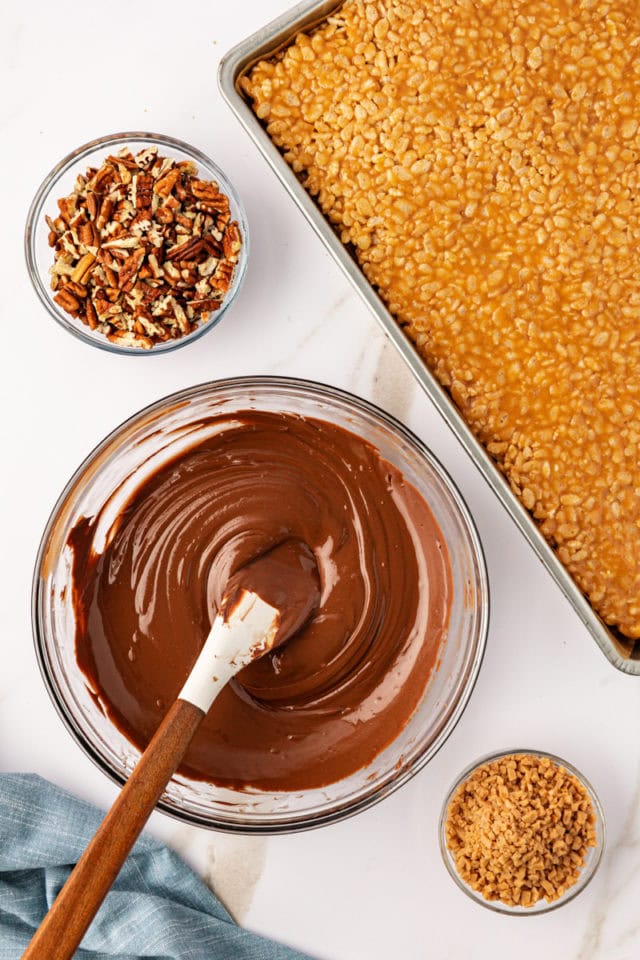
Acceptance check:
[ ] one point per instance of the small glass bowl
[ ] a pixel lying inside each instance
(592, 859)
(60, 183)
(154, 436)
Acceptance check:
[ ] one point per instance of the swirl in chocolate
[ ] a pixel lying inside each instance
(325, 703)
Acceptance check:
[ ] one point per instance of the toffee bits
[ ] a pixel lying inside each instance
(519, 829)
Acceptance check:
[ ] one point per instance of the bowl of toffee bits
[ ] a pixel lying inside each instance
(136, 243)
(522, 832)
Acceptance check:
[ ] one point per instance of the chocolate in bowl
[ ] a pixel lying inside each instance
(143, 447)
(327, 702)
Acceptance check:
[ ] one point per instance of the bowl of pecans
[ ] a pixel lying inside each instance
(522, 832)
(136, 243)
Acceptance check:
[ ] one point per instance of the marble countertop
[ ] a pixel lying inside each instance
(373, 886)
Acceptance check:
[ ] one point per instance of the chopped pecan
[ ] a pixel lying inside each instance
(206, 269)
(88, 235)
(207, 304)
(144, 190)
(212, 206)
(83, 268)
(92, 205)
(186, 251)
(205, 190)
(171, 271)
(164, 186)
(67, 207)
(121, 243)
(67, 301)
(106, 209)
(77, 289)
(180, 191)
(155, 266)
(152, 292)
(102, 178)
(231, 241)
(112, 294)
(102, 305)
(125, 161)
(165, 215)
(221, 279)
(129, 269)
(181, 317)
(90, 315)
(213, 247)
(127, 338)
(110, 276)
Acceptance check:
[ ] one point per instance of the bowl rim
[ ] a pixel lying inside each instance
(584, 878)
(36, 212)
(348, 808)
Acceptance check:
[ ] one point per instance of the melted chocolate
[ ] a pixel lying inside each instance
(286, 577)
(325, 703)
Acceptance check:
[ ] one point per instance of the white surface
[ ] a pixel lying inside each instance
(372, 887)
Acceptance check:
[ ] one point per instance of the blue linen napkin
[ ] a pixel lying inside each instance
(158, 908)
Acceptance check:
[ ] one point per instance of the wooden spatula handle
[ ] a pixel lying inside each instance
(64, 926)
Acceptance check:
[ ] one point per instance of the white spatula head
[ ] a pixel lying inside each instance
(265, 603)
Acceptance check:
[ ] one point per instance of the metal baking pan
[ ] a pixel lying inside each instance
(623, 653)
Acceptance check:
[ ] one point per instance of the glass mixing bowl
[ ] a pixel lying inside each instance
(117, 466)
(60, 183)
